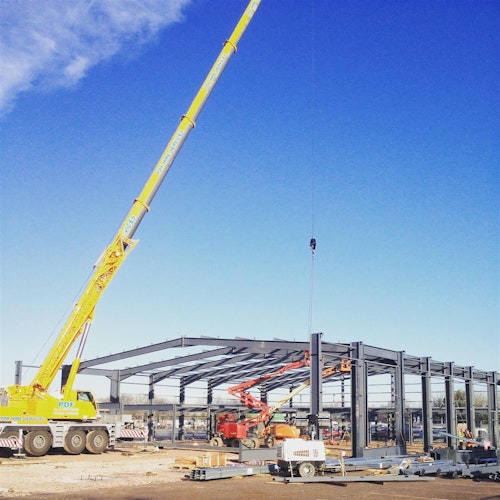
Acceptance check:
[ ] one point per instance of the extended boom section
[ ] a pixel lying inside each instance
(117, 251)
(31, 404)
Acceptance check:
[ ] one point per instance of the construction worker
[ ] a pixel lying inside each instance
(461, 435)
(151, 428)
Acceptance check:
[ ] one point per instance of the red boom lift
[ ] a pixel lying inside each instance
(230, 430)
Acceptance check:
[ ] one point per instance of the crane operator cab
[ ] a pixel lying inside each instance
(86, 396)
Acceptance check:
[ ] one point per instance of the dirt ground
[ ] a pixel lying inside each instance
(139, 473)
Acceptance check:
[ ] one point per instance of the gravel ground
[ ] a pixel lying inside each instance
(137, 474)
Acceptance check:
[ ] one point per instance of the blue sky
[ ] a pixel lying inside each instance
(372, 125)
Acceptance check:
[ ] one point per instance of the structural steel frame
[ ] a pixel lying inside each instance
(228, 361)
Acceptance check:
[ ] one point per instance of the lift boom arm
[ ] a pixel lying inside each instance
(79, 321)
(266, 411)
(240, 391)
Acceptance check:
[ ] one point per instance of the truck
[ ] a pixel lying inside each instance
(29, 414)
(299, 457)
(230, 430)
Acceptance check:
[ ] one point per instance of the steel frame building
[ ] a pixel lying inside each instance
(217, 362)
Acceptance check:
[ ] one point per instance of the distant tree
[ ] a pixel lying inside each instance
(460, 400)
(480, 401)
(438, 401)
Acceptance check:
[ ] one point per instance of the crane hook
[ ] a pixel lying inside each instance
(312, 244)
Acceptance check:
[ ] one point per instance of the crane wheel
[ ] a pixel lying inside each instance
(306, 469)
(37, 443)
(74, 442)
(97, 442)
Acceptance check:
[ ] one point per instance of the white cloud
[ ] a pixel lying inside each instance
(54, 43)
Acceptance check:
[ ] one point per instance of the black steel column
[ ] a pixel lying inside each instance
(342, 392)
(399, 400)
(210, 420)
(210, 392)
(451, 414)
(174, 420)
(492, 390)
(151, 392)
(114, 389)
(182, 398)
(359, 400)
(470, 410)
(316, 384)
(426, 404)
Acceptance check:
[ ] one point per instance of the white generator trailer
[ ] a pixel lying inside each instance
(301, 457)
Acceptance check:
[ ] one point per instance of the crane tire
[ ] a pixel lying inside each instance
(37, 443)
(97, 441)
(75, 442)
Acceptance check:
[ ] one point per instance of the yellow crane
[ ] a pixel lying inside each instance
(30, 408)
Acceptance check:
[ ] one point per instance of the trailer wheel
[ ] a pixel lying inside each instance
(37, 443)
(97, 442)
(256, 442)
(306, 469)
(74, 442)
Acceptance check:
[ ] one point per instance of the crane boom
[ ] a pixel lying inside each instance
(80, 319)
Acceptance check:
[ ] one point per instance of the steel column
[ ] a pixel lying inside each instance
(151, 391)
(399, 400)
(359, 400)
(426, 403)
(470, 410)
(492, 388)
(451, 415)
(182, 398)
(210, 392)
(316, 384)
(114, 389)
